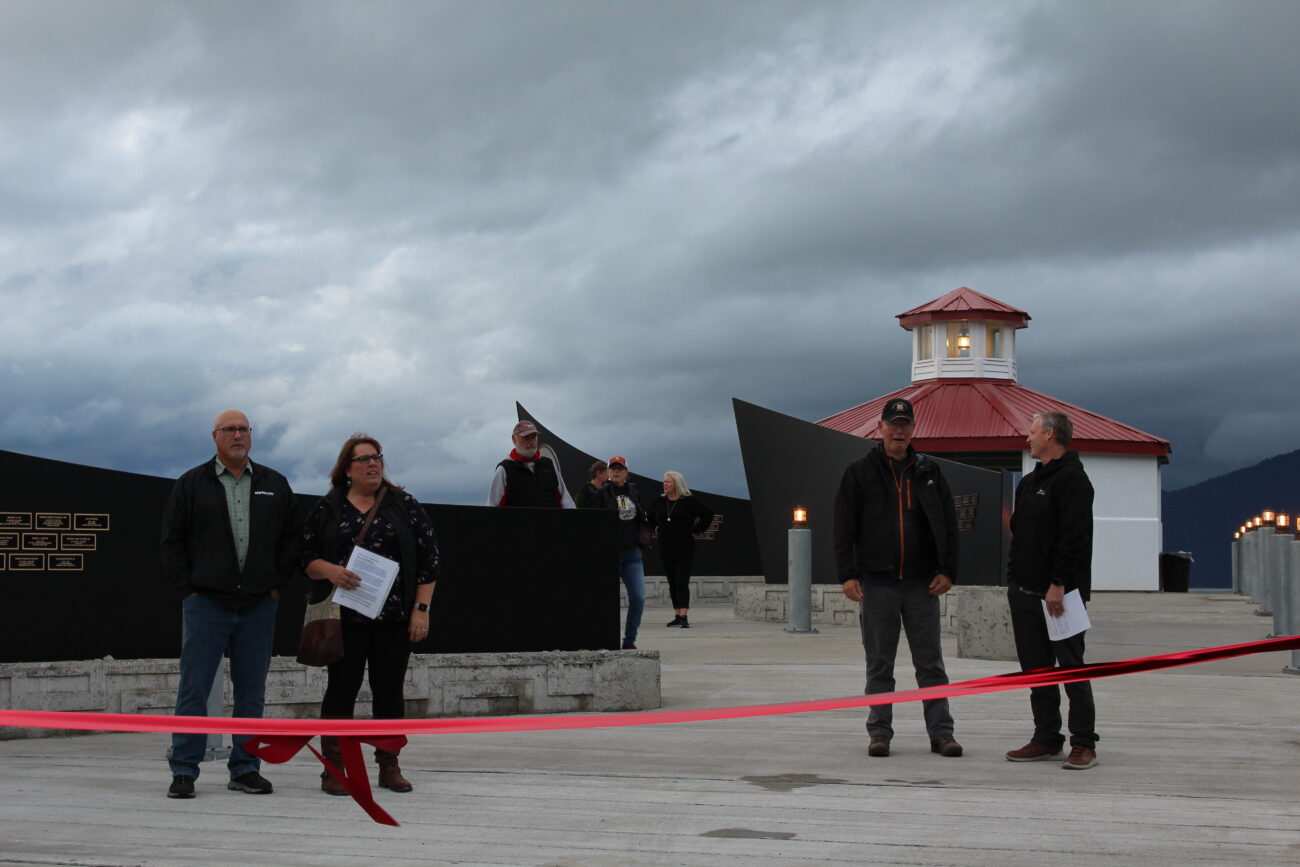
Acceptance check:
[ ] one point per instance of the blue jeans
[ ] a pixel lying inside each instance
(211, 629)
(632, 571)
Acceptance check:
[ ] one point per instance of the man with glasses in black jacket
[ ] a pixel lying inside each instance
(229, 546)
(896, 551)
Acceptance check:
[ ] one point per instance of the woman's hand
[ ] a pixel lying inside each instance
(418, 630)
(343, 579)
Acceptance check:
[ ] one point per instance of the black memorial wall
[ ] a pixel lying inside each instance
(728, 547)
(82, 575)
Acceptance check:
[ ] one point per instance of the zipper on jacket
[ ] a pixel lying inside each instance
(898, 485)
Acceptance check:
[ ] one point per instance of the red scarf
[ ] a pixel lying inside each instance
(515, 456)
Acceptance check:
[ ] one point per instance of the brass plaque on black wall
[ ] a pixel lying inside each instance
(66, 562)
(8, 541)
(40, 541)
(16, 520)
(77, 541)
(53, 521)
(26, 562)
(89, 522)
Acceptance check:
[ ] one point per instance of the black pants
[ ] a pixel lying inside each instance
(677, 566)
(1036, 650)
(385, 648)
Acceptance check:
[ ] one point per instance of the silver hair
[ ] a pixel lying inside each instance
(680, 481)
(1059, 424)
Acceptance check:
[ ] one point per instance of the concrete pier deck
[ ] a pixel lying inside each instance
(1199, 765)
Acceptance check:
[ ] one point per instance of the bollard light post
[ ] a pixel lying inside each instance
(1293, 588)
(1262, 590)
(1279, 566)
(799, 574)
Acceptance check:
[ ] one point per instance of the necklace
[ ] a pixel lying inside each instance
(672, 504)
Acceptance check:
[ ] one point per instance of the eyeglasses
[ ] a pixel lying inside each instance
(900, 424)
(365, 459)
(231, 430)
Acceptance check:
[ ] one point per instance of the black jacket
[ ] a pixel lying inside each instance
(538, 487)
(198, 544)
(327, 512)
(631, 514)
(1051, 528)
(689, 516)
(866, 524)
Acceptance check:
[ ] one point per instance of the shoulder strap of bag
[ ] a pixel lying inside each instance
(370, 516)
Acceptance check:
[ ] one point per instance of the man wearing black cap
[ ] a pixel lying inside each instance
(526, 477)
(896, 551)
(620, 493)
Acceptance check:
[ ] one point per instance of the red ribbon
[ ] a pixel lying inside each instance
(278, 740)
(278, 749)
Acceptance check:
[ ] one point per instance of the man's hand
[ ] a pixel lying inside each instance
(853, 589)
(275, 594)
(1055, 600)
(940, 585)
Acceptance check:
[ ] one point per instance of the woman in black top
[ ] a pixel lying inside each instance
(400, 531)
(678, 516)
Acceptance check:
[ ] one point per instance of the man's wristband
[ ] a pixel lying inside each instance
(422, 606)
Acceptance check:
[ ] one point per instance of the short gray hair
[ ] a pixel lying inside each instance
(680, 482)
(1059, 424)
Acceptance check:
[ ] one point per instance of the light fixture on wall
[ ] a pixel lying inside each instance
(1268, 516)
(1282, 521)
(800, 518)
(963, 335)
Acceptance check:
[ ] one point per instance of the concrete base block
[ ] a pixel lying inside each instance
(451, 685)
(984, 625)
(768, 602)
(705, 590)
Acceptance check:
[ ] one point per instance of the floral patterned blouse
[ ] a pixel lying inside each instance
(382, 539)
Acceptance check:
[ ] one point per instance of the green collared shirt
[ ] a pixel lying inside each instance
(238, 494)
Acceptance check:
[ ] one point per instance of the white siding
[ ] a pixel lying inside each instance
(1126, 520)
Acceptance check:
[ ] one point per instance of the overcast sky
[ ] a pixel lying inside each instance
(403, 217)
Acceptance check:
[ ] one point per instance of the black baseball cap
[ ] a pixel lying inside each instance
(898, 408)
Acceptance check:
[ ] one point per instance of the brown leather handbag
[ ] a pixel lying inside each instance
(321, 641)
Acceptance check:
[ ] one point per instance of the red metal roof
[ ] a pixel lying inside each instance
(963, 303)
(954, 415)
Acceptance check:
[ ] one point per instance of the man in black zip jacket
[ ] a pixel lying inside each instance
(229, 544)
(1051, 555)
(896, 552)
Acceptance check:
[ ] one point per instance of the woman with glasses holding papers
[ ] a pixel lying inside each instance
(366, 511)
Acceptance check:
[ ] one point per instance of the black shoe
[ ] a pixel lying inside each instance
(676, 621)
(686, 623)
(627, 645)
(879, 746)
(252, 782)
(946, 746)
(182, 787)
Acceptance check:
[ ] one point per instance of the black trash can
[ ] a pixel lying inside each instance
(1175, 571)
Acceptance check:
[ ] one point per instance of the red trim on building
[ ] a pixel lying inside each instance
(962, 303)
(992, 415)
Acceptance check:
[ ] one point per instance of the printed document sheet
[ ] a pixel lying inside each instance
(377, 574)
(1072, 622)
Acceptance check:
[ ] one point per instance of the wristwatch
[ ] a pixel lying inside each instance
(421, 606)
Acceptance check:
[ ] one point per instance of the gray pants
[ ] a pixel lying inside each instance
(883, 610)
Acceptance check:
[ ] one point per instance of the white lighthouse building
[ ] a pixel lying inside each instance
(970, 408)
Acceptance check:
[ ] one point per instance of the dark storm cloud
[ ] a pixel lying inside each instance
(403, 217)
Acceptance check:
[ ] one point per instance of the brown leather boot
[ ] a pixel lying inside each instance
(390, 775)
(329, 747)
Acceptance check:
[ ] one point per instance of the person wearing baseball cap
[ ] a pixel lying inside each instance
(526, 477)
(896, 551)
(620, 493)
